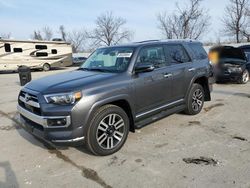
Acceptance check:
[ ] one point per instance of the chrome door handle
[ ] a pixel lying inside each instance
(191, 69)
(167, 75)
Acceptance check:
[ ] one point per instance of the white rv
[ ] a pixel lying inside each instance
(34, 54)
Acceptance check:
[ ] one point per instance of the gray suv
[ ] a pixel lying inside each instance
(118, 89)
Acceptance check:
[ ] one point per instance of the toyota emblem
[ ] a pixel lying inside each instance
(27, 97)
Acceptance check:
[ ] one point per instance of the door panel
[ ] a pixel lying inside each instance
(152, 89)
(181, 68)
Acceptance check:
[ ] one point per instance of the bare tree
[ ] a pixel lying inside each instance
(109, 30)
(62, 32)
(245, 31)
(47, 33)
(37, 35)
(77, 39)
(190, 21)
(235, 19)
(5, 35)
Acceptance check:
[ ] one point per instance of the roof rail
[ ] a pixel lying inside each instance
(147, 41)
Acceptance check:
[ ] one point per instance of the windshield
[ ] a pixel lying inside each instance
(112, 59)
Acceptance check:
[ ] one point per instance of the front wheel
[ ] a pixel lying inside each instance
(245, 77)
(108, 130)
(195, 100)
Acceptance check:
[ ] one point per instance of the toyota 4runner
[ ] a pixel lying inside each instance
(117, 90)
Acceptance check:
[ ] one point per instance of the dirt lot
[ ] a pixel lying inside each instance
(211, 149)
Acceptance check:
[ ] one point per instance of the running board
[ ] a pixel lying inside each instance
(159, 116)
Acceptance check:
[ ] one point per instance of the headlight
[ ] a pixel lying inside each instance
(235, 69)
(63, 98)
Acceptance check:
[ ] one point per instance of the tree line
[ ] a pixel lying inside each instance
(109, 31)
(188, 21)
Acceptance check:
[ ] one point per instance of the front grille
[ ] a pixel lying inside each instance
(32, 105)
(32, 97)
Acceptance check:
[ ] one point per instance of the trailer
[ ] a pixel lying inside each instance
(34, 54)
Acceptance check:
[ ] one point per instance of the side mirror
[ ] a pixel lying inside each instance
(144, 68)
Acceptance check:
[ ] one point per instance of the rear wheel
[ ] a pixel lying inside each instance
(195, 100)
(46, 67)
(245, 77)
(108, 130)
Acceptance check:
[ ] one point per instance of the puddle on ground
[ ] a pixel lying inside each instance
(10, 127)
(207, 109)
(239, 138)
(194, 123)
(113, 160)
(138, 160)
(201, 161)
(242, 95)
(161, 145)
(86, 172)
(219, 100)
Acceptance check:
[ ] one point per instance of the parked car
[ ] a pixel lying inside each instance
(118, 89)
(246, 49)
(248, 59)
(77, 61)
(230, 64)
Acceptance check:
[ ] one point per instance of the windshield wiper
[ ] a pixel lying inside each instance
(94, 69)
(83, 69)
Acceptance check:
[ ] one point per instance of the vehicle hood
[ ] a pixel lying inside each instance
(67, 82)
(232, 62)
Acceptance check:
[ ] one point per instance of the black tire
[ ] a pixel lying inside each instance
(46, 67)
(245, 77)
(95, 130)
(195, 100)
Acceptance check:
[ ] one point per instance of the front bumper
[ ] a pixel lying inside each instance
(232, 76)
(43, 120)
(39, 127)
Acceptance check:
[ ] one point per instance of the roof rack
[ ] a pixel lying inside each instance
(147, 41)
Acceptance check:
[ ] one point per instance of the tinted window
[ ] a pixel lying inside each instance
(18, 50)
(245, 48)
(153, 55)
(41, 54)
(177, 54)
(7, 47)
(41, 47)
(198, 51)
(54, 51)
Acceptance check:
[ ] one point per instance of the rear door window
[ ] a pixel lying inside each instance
(154, 55)
(198, 51)
(177, 54)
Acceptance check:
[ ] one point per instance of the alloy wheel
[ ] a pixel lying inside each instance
(197, 100)
(110, 131)
(245, 77)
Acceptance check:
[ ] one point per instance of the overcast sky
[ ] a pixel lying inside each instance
(22, 17)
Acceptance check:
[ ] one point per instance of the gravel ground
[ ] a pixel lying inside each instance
(211, 149)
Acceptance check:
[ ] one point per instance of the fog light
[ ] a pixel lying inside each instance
(57, 122)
